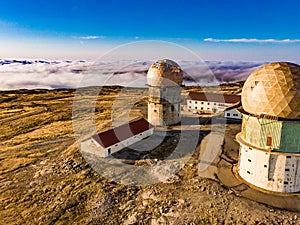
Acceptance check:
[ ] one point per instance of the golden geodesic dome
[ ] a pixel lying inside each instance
(164, 73)
(273, 89)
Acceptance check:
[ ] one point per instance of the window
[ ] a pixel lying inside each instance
(190, 101)
(190, 107)
(202, 103)
(195, 107)
(249, 160)
(287, 170)
(172, 108)
(228, 114)
(195, 102)
(208, 103)
(265, 166)
(248, 172)
(201, 108)
(215, 103)
(285, 182)
(109, 151)
(154, 110)
(235, 114)
(288, 157)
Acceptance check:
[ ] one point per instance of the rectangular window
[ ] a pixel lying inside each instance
(109, 151)
(249, 160)
(235, 114)
(248, 172)
(202, 103)
(288, 157)
(154, 110)
(285, 182)
(201, 108)
(208, 103)
(287, 170)
(228, 114)
(195, 107)
(195, 102)
(265, 166)
(215, 103)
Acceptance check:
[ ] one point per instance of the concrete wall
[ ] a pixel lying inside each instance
(270, 170)
(164, 105)
(89, 146)
(163, 114)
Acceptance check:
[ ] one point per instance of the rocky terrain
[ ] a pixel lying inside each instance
(44, 178)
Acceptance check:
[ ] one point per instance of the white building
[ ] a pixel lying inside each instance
(113, 140)
(211, 102)
(232, 113)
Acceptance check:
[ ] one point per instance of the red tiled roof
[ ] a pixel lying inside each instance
(215, 97)
(121, 133)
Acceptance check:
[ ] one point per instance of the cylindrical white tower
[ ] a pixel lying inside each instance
(164, 79)
(270, 140)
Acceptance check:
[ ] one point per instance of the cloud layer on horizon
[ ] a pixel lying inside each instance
(26, 74)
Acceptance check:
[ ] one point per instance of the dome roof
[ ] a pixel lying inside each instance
(165, 73)
(273, 89)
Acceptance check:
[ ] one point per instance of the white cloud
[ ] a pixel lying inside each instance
(91, 37)
(59, 74)
(253, 40)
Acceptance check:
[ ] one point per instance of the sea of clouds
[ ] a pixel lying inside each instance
(50, 74)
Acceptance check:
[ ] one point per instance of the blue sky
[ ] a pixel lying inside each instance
(215, 29)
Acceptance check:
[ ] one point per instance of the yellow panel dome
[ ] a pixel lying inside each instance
(273, 89)
(164, 73)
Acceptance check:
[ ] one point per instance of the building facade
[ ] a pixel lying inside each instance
(164, 79)
(211, 102)
(269, 141)
(111, 141)
(232, 113)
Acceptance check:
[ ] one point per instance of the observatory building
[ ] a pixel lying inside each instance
(270, 136)
(164, 79)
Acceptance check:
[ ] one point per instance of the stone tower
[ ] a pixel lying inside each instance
(164, 79)
(270, 140)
